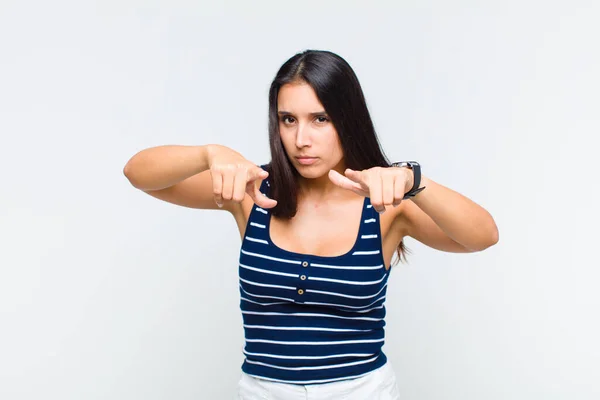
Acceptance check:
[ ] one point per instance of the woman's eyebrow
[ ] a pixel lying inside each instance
(313, 114)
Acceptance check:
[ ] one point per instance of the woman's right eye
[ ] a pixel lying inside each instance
(285, 118)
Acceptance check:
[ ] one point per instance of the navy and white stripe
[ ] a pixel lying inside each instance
(311, 319)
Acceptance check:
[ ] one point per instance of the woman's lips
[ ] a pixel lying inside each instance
(306, 160)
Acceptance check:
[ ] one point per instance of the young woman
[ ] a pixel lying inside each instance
(319, 225)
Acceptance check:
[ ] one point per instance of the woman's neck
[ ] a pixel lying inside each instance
(321, 189)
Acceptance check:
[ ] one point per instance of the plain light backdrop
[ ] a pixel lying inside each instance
(108, 293)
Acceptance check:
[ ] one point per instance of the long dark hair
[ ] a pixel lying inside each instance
(338, 89)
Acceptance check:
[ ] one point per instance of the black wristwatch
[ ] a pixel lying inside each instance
(416, 168)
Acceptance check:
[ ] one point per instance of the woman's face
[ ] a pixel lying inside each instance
(308, 135)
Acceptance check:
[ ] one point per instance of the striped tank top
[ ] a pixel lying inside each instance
(311, 319)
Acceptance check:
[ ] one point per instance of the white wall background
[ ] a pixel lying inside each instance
(107, 293)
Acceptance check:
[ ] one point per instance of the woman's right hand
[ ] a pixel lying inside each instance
(233, 176)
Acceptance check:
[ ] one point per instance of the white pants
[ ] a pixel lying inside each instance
(379, 384)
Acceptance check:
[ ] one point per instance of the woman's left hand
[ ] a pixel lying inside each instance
(384, 186)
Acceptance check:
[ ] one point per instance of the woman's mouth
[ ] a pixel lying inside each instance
(306, 160)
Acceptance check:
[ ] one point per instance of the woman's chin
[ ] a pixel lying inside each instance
(311, 171)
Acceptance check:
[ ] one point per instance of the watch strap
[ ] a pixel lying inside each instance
(416, 168)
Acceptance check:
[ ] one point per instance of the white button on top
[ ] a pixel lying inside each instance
(305, 264)
(303, 277)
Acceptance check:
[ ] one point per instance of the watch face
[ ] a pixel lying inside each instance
(408, 164)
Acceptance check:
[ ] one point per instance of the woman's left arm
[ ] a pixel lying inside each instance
(442, 218)
(437, 216)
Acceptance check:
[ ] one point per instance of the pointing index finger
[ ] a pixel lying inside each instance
(257, 173)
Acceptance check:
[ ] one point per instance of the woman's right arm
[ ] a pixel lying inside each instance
(197, 176)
